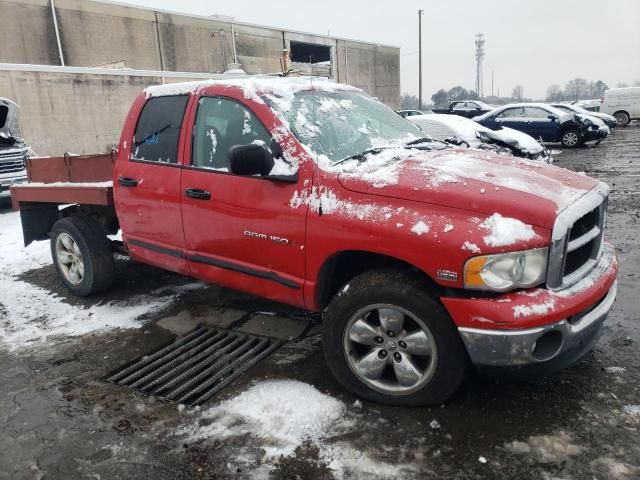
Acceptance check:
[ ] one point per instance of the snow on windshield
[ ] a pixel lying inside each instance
(335, 125)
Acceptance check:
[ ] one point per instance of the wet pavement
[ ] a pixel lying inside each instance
(60, 420)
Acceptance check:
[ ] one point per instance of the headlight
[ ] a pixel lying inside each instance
(587, 122)
(506, 271)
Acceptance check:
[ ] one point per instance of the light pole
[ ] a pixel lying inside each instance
(420, 12)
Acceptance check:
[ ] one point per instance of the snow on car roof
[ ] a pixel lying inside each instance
(252, 86)
(462, 127)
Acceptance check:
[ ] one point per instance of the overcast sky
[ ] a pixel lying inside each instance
(534, 43)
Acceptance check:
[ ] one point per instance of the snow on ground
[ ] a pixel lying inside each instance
(273, 411)
(505, 231)
(282, 415)
(29, 314)
(554, 448)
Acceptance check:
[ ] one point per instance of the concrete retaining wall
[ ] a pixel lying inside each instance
(95, 34)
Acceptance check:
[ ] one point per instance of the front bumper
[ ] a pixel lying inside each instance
(538, 326)
(562, 342)
(595, 134)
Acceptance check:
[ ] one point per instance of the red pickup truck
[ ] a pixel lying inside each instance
(423, 259)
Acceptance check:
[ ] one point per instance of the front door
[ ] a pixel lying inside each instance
(240, 231)
(539, 125)
(147, 186)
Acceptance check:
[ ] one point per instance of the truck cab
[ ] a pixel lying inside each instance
(422, 259)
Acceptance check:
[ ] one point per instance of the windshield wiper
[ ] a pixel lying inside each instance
(361, 155)
(420, 140)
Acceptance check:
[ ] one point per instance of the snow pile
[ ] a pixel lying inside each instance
(420, 228)
(632, 410)
(30, 314)
(505, 231)
(615, 370)
(547, 448)
(471, 247)
(283, 413)
(534, 309)
(379, 169)
(325, 200)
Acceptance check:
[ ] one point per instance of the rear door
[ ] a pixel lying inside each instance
(240, 230)
(147, 185)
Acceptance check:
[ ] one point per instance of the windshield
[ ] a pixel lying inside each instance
(341, 124)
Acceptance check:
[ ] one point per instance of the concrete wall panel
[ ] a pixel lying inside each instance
(27, 34)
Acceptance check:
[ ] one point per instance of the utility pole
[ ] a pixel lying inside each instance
(479, 58)
(492, 72)
(420, 12)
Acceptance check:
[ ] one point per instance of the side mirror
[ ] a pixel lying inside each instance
(251, 159)
(553, 118)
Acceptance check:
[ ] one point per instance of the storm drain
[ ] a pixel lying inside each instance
(197, 366)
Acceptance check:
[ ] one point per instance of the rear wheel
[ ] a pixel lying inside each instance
(622, 118)
(571, 138)
(82, 255)
(388, 340)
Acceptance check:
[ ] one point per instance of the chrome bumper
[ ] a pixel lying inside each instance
(514, 348)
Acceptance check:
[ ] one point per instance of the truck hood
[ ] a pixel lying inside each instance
(476, 181)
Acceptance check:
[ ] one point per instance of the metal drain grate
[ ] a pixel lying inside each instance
(197, 366)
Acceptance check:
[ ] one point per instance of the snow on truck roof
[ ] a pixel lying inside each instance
(281, 86)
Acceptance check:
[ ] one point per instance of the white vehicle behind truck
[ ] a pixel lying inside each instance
(622, 103)
(13, 150)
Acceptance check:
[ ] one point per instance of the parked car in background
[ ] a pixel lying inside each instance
(622, 103)
(609, 120)
(411, 113)
(463, 131)
(546, 123)
(465, 108)
(13, 150)
(592, 105)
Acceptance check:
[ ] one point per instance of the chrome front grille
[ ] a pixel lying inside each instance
(577, 239)
(11, 162)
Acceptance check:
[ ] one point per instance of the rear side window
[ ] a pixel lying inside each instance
(158, 129)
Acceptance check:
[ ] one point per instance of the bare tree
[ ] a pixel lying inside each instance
(622, 85)
(636, 83)
(518, 92)
(554, 93)
(408, 102)
(576, 89)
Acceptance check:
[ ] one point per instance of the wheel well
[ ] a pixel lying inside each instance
(340, 268)
(103, 216)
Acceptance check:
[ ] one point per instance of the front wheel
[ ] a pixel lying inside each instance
(622, 118)
(82, 255)
(571, 138)
(386, 339)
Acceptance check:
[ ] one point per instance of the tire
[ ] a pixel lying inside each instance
(82, 255)
(571, 138)
(381, 292)
(622, 118)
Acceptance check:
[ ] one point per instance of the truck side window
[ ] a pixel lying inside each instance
(158, 130)
(220, 124)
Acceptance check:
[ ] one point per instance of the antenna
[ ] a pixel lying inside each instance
(479, 59)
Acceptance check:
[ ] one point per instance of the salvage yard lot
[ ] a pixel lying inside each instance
(287, 416)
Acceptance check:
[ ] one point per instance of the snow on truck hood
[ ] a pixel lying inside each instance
(472, 180)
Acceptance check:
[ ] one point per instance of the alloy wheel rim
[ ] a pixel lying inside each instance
(390, 349)
(69, 258)
(621, 119)
(570, 139)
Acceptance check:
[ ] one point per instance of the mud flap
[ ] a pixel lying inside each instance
(37, 220)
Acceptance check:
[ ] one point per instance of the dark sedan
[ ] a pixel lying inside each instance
(546, 123)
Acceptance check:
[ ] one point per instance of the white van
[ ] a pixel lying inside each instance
(622, 103)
